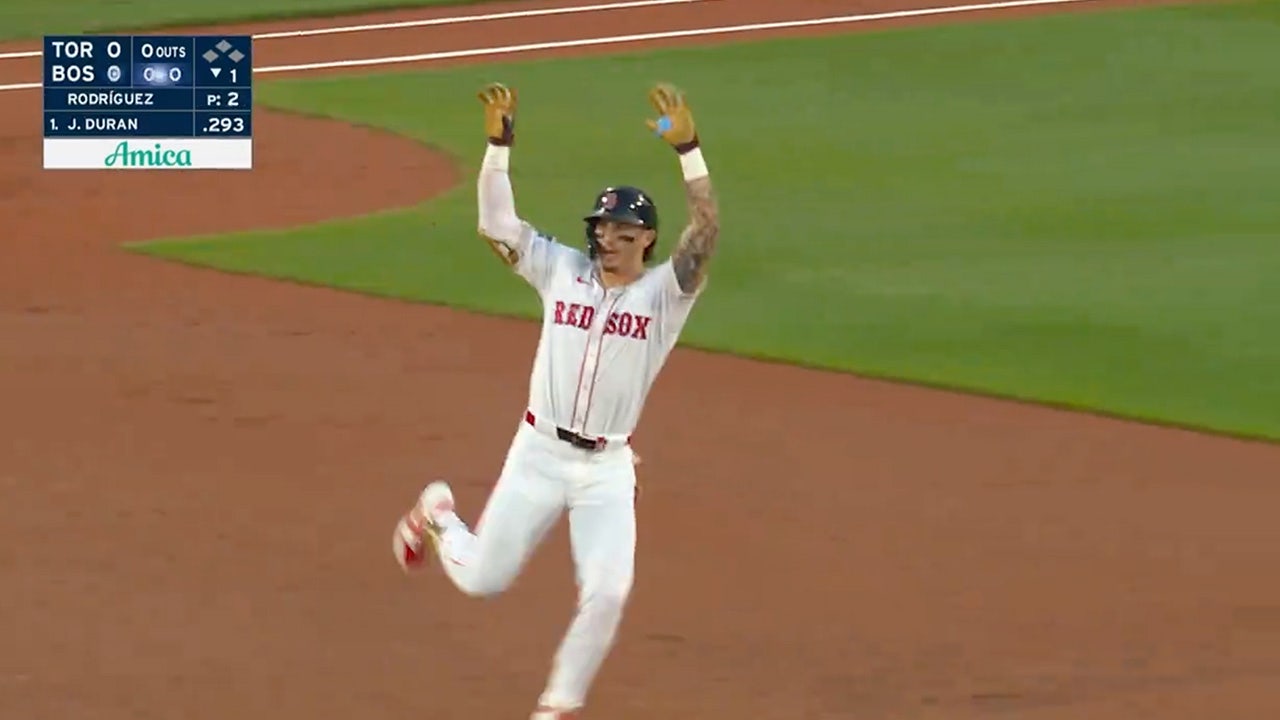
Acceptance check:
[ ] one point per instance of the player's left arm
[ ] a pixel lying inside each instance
(697, 244)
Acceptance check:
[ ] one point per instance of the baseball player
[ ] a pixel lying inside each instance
(609, 322)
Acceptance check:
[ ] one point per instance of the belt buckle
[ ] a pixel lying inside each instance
(579, 441)
(587, 443)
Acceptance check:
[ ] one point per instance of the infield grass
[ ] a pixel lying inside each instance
(35, 18)
(1076, 209)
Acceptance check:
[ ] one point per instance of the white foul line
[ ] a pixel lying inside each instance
(448, 20)
(618, 39)
(510, 14)
(666, 34)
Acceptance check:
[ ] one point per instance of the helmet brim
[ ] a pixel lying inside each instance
(626, 217)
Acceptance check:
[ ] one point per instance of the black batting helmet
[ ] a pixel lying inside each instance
(624, 204)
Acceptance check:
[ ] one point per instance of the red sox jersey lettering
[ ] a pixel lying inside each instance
(635, 327)
(600, 348)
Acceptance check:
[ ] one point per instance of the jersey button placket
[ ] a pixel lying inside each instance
(595, 341)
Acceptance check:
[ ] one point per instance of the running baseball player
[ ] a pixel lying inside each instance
(609, 322)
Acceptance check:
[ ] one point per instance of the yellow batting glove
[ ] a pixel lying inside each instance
(675, 120)
(499, 113)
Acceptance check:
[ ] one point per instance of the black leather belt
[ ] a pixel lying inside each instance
(569, 436)
(579, 441)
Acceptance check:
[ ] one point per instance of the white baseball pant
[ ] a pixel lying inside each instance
(542, 477)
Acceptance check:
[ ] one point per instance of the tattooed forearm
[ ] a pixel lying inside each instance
(698, 241)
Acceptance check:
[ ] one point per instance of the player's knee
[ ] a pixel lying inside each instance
(483, 587)
(609, 604)
(481, 584)
(606, 599)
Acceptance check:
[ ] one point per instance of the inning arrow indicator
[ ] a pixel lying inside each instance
(216, 71)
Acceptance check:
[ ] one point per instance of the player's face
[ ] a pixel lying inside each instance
(621, 245)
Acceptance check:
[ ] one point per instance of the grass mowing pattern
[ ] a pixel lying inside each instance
(1076, 209)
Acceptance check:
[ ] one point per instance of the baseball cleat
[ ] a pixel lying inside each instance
(420, 524)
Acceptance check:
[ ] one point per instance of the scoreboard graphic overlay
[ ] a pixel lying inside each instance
(138, 102)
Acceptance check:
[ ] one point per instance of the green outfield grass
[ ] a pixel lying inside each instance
(35, 18)
(1080, 209)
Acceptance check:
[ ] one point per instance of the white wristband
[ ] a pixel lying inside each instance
(692, 164)
(497, 157)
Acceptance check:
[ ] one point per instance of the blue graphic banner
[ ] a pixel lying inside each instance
(135, 86)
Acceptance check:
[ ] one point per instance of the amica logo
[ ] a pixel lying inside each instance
(157, 156)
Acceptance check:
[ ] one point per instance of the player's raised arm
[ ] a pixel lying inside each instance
(499, 224)
(697, 242)
(532, 254)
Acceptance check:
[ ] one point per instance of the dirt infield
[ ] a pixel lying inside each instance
(200, 474)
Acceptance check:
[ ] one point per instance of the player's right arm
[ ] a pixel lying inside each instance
(499, 224)
(515, 241)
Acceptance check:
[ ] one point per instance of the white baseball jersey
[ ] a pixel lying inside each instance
(601, 348)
